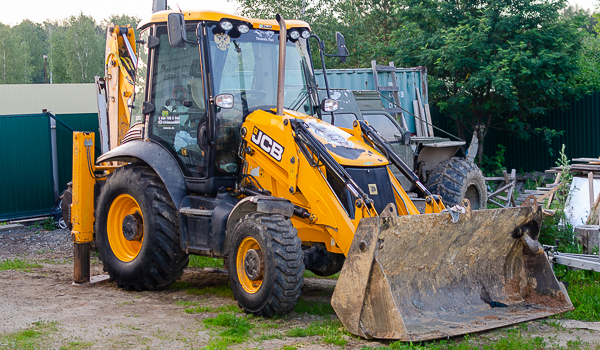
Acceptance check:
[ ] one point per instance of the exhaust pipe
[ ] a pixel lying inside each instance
(281, 72)
(159, 5)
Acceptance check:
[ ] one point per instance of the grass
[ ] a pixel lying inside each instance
(76, 345)
(510, 340)
(314, 308)
(333, 332)
(310, 274)
(222, 291)
(193, 307)
(17, 264)
(231, 330)
(204, 262)
(584, 291)
(29, 338)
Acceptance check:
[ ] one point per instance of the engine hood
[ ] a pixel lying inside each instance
(347, 149)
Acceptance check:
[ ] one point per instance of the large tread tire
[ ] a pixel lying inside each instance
(457, 178)
(160, 260)
(283, 264)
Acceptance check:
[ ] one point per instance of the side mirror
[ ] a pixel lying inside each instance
(341, 46)
(224, 101)
(329, 105)
(176, 29)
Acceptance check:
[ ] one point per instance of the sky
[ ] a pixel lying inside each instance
(13, 12)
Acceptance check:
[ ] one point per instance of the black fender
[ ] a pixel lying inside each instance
(261, 204)
(155, 156)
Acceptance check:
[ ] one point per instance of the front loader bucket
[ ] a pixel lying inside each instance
(423, 277)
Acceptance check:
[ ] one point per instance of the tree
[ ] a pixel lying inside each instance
(13, 57)
(590, 19)
(491, 63)
(366, 25)
(85, 49)
(33, 37)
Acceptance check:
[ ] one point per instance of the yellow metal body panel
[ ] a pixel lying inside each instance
(82, 206)
(292, 177)
(195, 15)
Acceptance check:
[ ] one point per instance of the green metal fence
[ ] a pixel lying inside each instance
(580, 123)
(26, 174)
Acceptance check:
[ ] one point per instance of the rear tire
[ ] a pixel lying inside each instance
(154, 260)
(275, 287)
(458, 178)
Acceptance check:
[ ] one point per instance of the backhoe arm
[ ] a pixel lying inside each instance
(120, 69)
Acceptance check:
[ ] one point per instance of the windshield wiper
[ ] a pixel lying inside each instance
(299, 100)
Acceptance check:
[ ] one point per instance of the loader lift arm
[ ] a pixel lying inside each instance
(311, 147)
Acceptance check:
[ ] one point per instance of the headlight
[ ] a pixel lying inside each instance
(243, 28)
(305, 33)
(294, 34)
(226, 25)
(329, 105)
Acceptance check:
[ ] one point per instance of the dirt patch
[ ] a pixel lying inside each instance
(513, 290)
(492, 317)
(531, 296)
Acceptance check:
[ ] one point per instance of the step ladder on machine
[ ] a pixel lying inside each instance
(422, 127)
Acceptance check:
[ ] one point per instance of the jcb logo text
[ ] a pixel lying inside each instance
(267, 144)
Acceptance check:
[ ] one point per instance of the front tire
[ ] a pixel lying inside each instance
(266, 264)
(457, 178)
(137, 230)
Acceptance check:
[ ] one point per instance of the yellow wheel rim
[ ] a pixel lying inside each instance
(249, 285)
(123, 249)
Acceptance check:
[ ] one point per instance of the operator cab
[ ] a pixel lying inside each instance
(202, 87)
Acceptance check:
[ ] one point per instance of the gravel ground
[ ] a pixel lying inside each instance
(106, 317)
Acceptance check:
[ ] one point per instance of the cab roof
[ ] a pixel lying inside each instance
(203, 15)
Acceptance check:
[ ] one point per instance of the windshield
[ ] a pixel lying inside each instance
(246, 65)
(342, 120)
(384, 125)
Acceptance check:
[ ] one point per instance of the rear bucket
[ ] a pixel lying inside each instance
(424, 277)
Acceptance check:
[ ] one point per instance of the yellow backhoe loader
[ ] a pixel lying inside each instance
(217, 148)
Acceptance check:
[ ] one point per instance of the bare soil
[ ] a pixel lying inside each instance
(106, 317)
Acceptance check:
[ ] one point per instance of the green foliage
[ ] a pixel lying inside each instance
(313, 308)
(554, 227)
(548, 135)
(492, 63)
(13, 57)
(29, 338)
(233, 330)
(331, 331)
(310, 274)
(589, 64)
(222, 291)
(204, 262)
(584, 291)
(193, 307)
(19, 265)
(365, 24)
(74, 48)
(48, 224)
(494, 165)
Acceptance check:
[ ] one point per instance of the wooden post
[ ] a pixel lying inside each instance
(418, 125)
(430, 123)
(588, 236)
(591, 184)
(422, 115)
